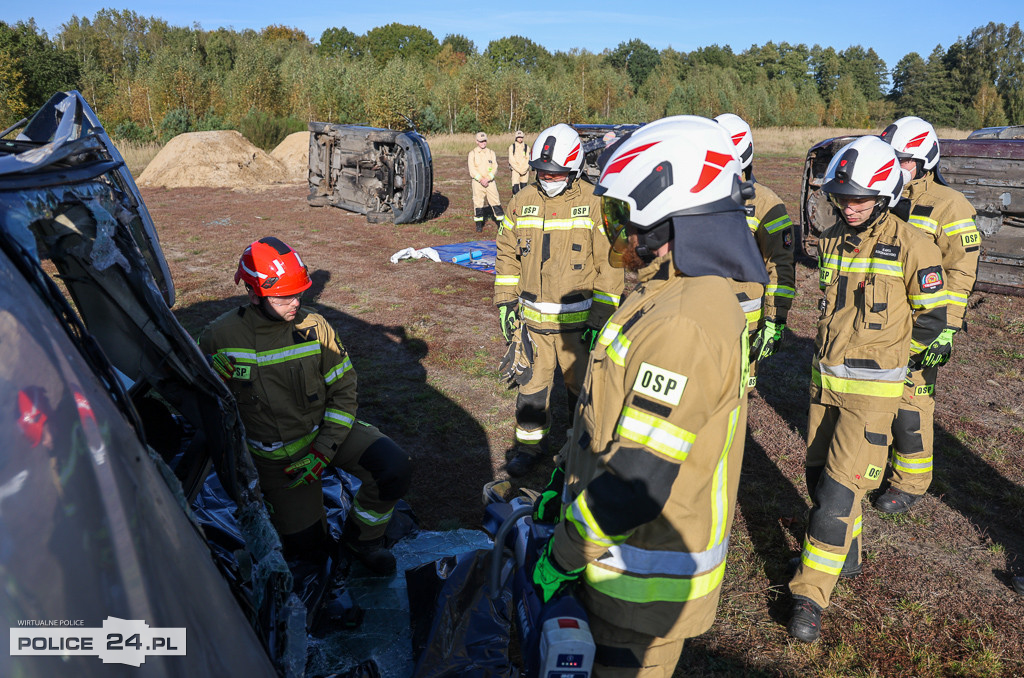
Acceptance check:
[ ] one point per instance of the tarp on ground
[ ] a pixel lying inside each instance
(485, 262)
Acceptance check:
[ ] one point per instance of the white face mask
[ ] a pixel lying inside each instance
(553, 188)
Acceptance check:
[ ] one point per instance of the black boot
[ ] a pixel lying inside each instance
(521, 464)
(478, 218)
(804, 620)
(896, 501)
(372, 553)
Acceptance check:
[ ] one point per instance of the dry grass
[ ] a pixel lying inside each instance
(788, 141)
(137, 155)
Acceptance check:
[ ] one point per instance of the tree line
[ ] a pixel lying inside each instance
(149, 80)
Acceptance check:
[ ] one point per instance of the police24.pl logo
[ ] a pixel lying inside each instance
(119, 641)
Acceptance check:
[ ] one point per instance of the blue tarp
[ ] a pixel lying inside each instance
(485, 262)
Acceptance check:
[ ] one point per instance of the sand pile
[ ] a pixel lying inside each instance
(293, 153)
(222, 158)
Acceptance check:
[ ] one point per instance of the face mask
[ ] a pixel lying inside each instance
(553, 188)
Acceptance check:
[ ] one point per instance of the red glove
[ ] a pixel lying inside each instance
(307, 470)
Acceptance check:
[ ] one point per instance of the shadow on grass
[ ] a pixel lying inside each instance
(444, 441)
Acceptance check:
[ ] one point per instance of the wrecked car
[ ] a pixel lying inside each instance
(987, 167)
(594, 144)
(114, 420)
(385, 174)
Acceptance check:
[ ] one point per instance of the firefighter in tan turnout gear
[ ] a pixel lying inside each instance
(773, 231)
(883, 306)
(554, 287)
(948, 218)
(519, 162)
(296, 393)
(483, 167)
(652, 467)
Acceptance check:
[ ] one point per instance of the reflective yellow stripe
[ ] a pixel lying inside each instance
(284, 451)
(924, 223)
(720, 486)
(912, 464)
(655, 433)
(338, 372)
(956, 298)
(506, 280)
(778, 224)
(582, 518)
(958, 227)
(606, 298)
(610, 331)
(618, 349)
(568, 224)
(635, 589)
(927, 300)
(530, 222)
(780, 291)
(274, 356)
(561, 318)
(531, 437)
(339, 417)
(882, 389)
(858, 526)
(864, 265)
(820, 560)
(752, 223)
(368, 517)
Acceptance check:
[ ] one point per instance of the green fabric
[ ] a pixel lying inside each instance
(549, 577)
(589, 337)
(769, 338)
(939, 351)
(508, 320)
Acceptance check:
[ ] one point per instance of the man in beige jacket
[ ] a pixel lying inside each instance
(519, 162)
(483, 166)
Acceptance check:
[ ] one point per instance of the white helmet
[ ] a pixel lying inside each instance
(912, 137)
(865, 168)
(680, 180)
(557, 149)
(737, 128)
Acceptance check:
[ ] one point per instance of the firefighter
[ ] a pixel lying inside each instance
(519, 162)
(773, 231)
(553, 287)
(947, 218)
(483, 166)
(653, 462)
(884, 302)
(296, 393)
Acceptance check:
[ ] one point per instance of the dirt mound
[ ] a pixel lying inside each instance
(223, 158)
(293, 153)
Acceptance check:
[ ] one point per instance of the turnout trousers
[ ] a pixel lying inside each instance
(914, 434)
(846, 454)
(533, 405)
(486, 197)
(625, 653)
(382, 467)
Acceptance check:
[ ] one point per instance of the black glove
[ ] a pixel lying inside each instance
(508, 319)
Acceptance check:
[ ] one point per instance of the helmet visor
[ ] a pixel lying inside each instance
(616, 217)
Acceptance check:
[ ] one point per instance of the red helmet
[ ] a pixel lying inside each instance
(272, 269)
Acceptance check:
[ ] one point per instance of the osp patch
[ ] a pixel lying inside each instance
(930, 279)
(659, 383)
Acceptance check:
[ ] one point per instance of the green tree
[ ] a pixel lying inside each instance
(636, 58)
(12, 98)
(338, 42)
(867, 70)
(384, 43)
(459, 43)
(516, 51)
(41, 69)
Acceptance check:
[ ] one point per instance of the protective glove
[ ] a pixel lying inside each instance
(547, 508)
(508, 319)
(589, 337)
(223, 365)
(307, 470)
(938, 352)
(768, 338)
(516, 366)
(549, 577)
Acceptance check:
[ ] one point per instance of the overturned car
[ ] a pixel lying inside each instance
(385, 174)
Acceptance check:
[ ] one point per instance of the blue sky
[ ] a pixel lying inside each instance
(892, 28)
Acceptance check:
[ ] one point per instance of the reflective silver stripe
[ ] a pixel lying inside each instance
(863, 373)
(673, 563)
(548, 307)
(751, 305)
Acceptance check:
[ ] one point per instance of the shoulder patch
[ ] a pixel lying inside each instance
(922, 210)
(581, 211)
(530, 210)
(887, 251)
(243, 372)
(787, 239)
(659, 383)
(972, 238)
(930, 279)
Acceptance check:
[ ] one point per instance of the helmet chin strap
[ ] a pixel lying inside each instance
(649, 241)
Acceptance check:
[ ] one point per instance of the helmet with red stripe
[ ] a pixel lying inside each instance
(913, 138)
(739, 131)
(272, 269)
(558, 149)
(679, 179)
(865, 168)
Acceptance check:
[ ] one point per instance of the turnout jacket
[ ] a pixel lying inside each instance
(884, 302)
(482, 163)
(653, 460)
(773, 231)
(946, 215)
(519, 157)
(293, 381)
(553, 257)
